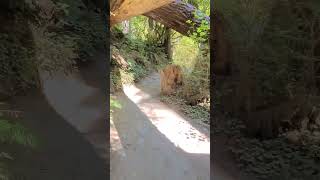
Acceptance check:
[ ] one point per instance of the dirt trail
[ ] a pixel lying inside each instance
(80, 98)
(69, 117)
(150, 141)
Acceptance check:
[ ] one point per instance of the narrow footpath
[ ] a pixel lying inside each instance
(69, 117)
(151, 141)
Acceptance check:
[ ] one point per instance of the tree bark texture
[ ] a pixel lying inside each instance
(175, 16)
(121, 10)
(167, 43)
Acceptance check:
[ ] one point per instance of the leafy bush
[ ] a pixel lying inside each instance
(271, 61)
(146, 30)
(196, 69)
(140, 57)
(272, 52)
(114, 104)
(30, 41)
(270, 159)
(17, 67)
(53, 52)
(13, 133)
(198, 113)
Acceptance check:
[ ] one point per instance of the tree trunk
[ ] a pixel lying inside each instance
(167, 43)
(171, 13)
(220, 46)
(175, 15)
(121, 10)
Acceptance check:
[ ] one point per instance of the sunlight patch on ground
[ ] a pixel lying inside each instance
(67, 95)
(115, 140)
(134, 93)
(178, 130)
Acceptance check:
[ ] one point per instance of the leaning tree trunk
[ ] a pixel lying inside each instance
(171, 13)
(220, 46)
(121, 10)
(175, 16)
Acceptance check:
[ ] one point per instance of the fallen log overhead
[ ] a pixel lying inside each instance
(175, 15)
(121, 10)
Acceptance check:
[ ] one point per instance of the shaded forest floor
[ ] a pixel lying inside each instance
(255, 158)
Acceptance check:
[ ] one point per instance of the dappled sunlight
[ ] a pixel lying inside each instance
(177, 129)
(134, 93)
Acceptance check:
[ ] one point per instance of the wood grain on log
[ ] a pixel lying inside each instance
(125, 9)
(175, 15)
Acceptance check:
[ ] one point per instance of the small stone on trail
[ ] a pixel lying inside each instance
(293, 137)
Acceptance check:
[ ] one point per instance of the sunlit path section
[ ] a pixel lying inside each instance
(178, 130)
(68, 95)
(115, 140)
(157, 143)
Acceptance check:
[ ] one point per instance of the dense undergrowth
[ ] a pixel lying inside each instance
(196, 70)
(50, 36)
(199, 113)
(133, 56)
(274, 58)
(270, 159)
(13, 134)
(38, 35)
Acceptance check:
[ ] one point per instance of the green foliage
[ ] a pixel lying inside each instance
(196, 85)
(270, 47)
(147, 31)
(15, 63)
(271, 159)
(201, 5)
(50, 41)
(85, 27)
(53, 52)
(137, 70)
(190, 54)
(120, 77)
(114, 103)
(196, 69)
(140, 56)
(15, 133)
(271, 42)
(198, 113)
(202, 27)
(89, 35)
(185, 51)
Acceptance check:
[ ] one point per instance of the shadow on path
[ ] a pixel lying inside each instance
(153, 148)
(69, 117)
(65, 153)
